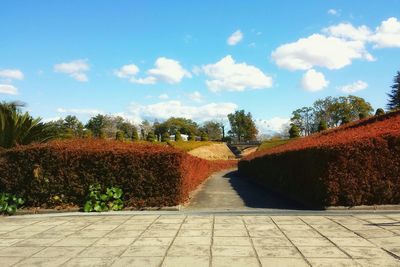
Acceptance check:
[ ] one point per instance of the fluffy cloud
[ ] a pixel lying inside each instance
(276, 125)
(11, 74)
(387, 34)
(348, 31)
(127, 71)
(314, 81)
(165, 70)
(235, 38)
(76, 69)
(354, 87)
(8, 89)
(90, 112)
(195, 96)
(319, 50)
(174, 108)
(230, 76)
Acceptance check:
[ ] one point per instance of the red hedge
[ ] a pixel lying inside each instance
(355, 164)
(150, 175)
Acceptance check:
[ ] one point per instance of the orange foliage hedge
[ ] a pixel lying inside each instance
(150, 175)
(355, 164)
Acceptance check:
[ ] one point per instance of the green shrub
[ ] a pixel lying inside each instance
(9, 203)
(151, 137)
(120, 136)
(322, 126)
(204, 137)
(99, 200)
(294, 131)
(178, 136)
(379, 112)
(135, 135)
(165, 137)
(192, 137)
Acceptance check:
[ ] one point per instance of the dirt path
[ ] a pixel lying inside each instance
(227, 191)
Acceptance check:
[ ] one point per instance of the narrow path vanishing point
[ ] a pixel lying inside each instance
(225, 190)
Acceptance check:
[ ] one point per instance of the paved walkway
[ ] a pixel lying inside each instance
(225, 190)
(183, 239)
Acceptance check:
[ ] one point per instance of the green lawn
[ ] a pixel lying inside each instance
(272, 143)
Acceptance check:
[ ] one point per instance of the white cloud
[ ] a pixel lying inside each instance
(174, 108)
(163, 96)
(91, 112)
(333, 12)
(11, 74)
(387, 34)
(166, 70)
(314, 81)
(354, 87)
(195, 96)
(230, 76)
(235, 38)
(127, 71)
(272, 126)
(349, 32)
(8, 89)
(76, 69)
(319, 50)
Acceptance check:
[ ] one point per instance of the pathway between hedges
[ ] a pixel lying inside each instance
(226, 190)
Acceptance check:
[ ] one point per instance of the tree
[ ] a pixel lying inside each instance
(151, 137)
(394, 95)
(120, 136)
(178, 136)
(165, 137)
(74, 125)
(204, 136)
(135, 134)
(96, 125)
(242, 126)
(17, 128)
(379, 112)
(213, 129)
(294, 131)
(322, 126)
(191, 137)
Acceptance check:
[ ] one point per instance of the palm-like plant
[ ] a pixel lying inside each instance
(17, 128)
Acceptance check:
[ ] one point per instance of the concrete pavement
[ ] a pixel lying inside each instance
(183, 239)
(225, 190)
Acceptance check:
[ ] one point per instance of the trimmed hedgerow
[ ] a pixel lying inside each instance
(149, 175)
(356, 164)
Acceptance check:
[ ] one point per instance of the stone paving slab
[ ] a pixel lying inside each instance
(201, 240)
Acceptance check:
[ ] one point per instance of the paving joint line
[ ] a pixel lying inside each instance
(212, 240)
(298, 250)
(103, 237)
(170, 245)
(251, 241)
(337, 246)
(382, 248)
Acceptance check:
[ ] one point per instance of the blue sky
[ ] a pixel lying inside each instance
(197, 59)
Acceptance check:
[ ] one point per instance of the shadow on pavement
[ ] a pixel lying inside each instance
(256, 196)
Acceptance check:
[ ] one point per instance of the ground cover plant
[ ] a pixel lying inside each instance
(268, 144)
(149, 175)
(98, 200)
(9, 203)
(357, 163)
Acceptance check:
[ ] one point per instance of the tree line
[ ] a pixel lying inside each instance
(19, 128)
(331, 112)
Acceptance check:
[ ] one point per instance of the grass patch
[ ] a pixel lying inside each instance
(272, 143)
